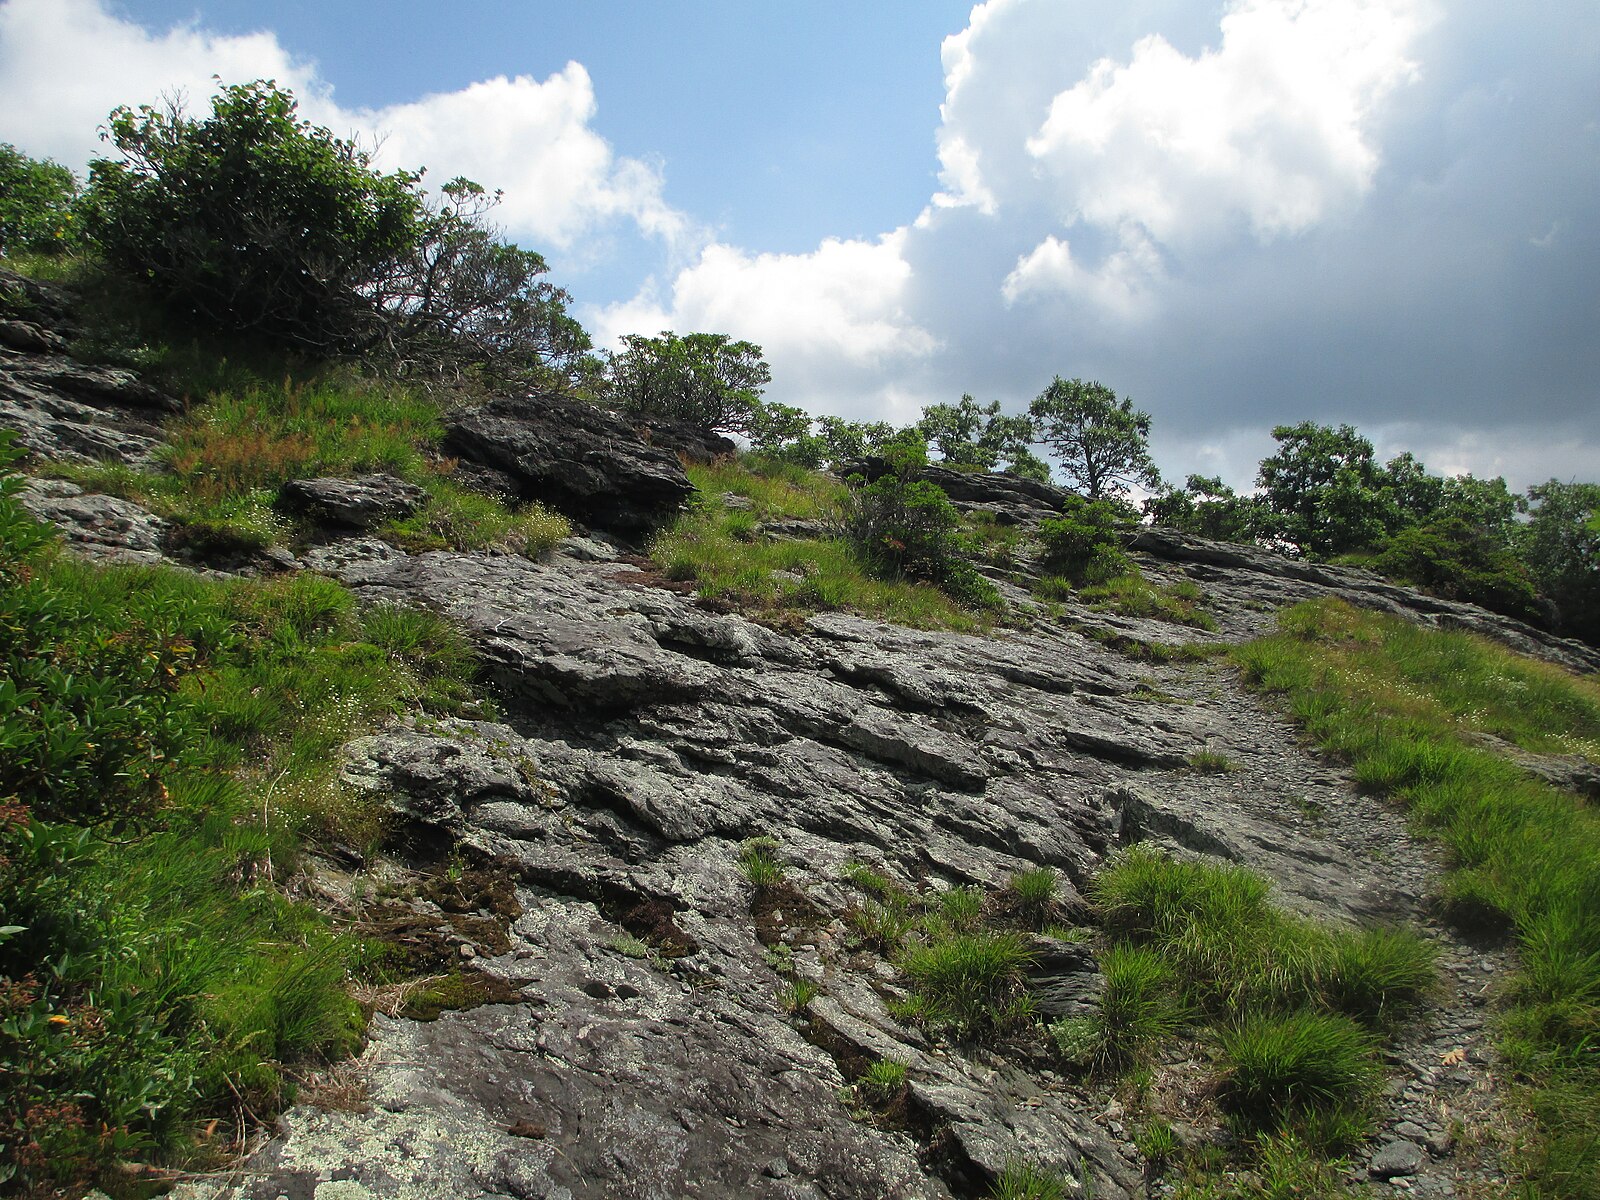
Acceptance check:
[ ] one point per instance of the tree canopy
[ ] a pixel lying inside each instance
(707, 379)
(1101, 442)
(977, 437)
(253, 220)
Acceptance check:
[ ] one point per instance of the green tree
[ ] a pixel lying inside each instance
(904, 526)
(459, 295)
(36, 197)
(1206, 506)
(975, 437)
(1324, 492)
(252, 219)
(846, 440)
(1561, 545)
(707, 379)
(1101, 442)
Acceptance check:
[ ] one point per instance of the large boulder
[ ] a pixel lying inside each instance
(579, 459)
(363, 502)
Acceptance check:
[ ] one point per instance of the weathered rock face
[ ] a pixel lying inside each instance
(579, 459)
(692, 442)
(1246, 577)
(61, 409)
(644, 737)
(363, 502)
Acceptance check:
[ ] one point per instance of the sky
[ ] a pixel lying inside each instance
(1242, 214)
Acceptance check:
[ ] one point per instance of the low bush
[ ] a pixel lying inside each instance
(905, 527)
(1084, 544)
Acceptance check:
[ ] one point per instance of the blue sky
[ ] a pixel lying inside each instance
(1385, 212)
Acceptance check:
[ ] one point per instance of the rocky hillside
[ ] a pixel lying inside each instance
(667, 854)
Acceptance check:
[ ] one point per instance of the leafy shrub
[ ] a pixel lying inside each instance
(706, 379)
(904, 526)
(251, 219)
(1453, 559)
(1084, 544)
(254, 221)
(36, 198)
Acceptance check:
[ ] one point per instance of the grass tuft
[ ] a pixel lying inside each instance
(1279, 1066)
(758, 859)
(971, 982)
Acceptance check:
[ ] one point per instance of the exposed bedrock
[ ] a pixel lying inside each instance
(643, 739)
(576, 457)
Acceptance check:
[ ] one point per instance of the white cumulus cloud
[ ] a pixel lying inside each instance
(832, 322)
(64, 64)
(1271, 126)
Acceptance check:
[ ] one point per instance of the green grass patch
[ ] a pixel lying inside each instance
(969, 982)
(1034, 893)
(1234, 952)
(228, 455)
(1212, 762)
(1403, 705)
(758, 860)
(1021, 1179)
(714, 544)
(882, 1081)
(1281, 1068)
(1132, 595)
(168, 747)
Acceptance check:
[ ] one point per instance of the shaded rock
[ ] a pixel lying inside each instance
(576, 457)
(1064, 978)
(68, 412)
(25, 335)
(362, 502)
(693, 442)
(32, 300)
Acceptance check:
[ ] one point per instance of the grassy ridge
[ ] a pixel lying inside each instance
(1408, 707)
(227, 456)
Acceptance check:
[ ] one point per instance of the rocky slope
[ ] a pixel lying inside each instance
(636, 1044)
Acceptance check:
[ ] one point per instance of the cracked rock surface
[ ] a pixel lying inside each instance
(644, 738)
